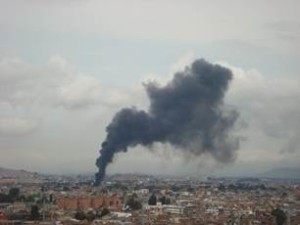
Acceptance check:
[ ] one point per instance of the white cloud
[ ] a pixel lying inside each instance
(58, 83)
(270, 106)
(81, 91)
(67, 110)
(13, 126)
(190, 21)
(178, 66)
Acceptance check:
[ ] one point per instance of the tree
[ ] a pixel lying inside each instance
(4, 198)
(133, 203)
(280, 216)
(80, 215)
(35, 214)
(65, 188)
(222, 187)
(29, 198)
(105, 211)
(90, 216)
(190, 189)
(152, 200)
(165, 201)
(14, 193)
(175, 188)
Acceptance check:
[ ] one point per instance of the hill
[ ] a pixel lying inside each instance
(283, 173)
(12, 173)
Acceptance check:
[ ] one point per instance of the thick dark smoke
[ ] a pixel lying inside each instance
(188, 113)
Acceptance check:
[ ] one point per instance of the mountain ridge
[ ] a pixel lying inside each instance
(282, 172)
(7, 172)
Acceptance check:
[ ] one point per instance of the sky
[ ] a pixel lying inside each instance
(67, 66)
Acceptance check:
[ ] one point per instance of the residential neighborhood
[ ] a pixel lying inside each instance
(152, 200)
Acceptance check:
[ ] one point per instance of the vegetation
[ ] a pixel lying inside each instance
(5, 198)
(14, 193)
(152, 200)
(104, 212)
(280, 216)
(133, 203)
(34, 213)
(80, 215)
(12, 196)
(165, 201)
(90, 215)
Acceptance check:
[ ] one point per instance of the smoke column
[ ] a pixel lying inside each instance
(188, 113)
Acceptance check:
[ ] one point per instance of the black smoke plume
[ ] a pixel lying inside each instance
(188, 113)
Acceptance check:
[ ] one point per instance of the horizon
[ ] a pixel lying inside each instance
(275, 173)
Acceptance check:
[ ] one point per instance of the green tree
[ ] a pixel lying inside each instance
(152, 200)
(29, 198)
(34, 213)
(65, 188)
(5, 198)
(165, 201)
(80, 215)
(280, 216)
(133, 203)
(90, 216)
(168, 201)
(14, 193)
(105, 211)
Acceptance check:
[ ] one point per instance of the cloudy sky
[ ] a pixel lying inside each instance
(66, 66)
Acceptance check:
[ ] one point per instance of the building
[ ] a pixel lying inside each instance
(87, 202)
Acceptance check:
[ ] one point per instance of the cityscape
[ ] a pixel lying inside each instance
(149, 112)
(31, 198)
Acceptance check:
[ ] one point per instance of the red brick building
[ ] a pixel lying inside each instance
(295, 219)
(297, 193)
(2, 216)
(86, 202)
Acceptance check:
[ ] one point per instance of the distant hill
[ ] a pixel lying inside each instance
(285, 172)
(12, 173)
